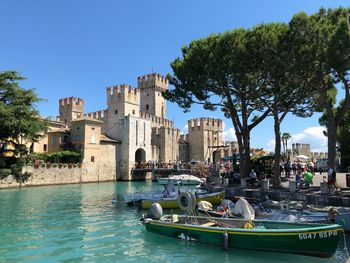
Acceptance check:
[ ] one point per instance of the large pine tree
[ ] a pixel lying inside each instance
(20, 123)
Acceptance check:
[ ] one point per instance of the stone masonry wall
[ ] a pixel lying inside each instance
(55, 176)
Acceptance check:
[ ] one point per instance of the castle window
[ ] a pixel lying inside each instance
(93, 128)
(78, 128)
(116, 111)
(147, 94)
(92, 139)
(92, 159)
(133, 112)
(45, 147)
(147, 107)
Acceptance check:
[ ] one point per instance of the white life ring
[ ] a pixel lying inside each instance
(194, 200)
(185, 201)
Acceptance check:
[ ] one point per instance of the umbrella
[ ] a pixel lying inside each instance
(301, 156)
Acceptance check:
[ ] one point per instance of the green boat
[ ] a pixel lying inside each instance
(319, 240)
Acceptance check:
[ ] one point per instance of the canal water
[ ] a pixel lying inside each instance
(77, 223)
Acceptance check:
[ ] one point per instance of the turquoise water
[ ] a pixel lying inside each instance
(77, 223)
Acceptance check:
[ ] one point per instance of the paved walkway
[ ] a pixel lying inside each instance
(311, 195)
(319, 178)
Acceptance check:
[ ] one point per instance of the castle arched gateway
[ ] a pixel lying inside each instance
(140, 155)
(216, 156)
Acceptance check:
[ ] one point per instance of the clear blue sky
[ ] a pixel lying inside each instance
(78, 48)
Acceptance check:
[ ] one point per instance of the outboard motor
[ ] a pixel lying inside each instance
(155, 212)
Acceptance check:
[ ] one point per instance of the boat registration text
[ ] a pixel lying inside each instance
(324, 234)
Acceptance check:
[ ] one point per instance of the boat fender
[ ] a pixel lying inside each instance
(248, 225)
(225, 241)
(185, 201)
(155, 211)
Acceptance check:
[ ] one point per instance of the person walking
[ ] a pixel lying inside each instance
(253, 177)
(287, 169)
(331, 179)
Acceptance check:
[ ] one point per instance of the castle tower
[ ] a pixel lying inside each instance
(122, 100)
(204, 137)
(70, 108)
(151, 87)
(169, 144)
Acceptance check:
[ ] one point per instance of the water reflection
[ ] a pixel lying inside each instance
(79, 222)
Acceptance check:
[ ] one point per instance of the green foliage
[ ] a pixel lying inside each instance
(20, 121)
(217, 72)
(327, 51)
(57, 157)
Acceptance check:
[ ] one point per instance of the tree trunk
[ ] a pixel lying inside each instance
(332, 137)
(277, 172)
(246, 142)
(241, 153)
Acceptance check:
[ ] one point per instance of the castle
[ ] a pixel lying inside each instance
(133, 129)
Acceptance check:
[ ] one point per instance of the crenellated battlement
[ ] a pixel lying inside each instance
(123, 89)
(170, 130)
(157, 121)
(70, 108)
(71, 101)
(206, 124)
(153, 80)
(99, 115)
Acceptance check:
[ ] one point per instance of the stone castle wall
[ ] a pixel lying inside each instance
(203, 135)
(55, 176)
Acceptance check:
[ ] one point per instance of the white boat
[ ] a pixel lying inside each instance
(168, 191)
(310, 214)
(182, 179)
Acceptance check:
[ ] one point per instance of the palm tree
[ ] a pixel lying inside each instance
(285, 137)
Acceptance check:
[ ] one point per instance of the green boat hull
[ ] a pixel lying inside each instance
(312, 240)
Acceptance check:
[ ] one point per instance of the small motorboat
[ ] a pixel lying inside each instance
(319, 240)
(136, 198)
(242, 209)
(169, 196)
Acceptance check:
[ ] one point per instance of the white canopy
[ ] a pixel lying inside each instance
(301, 156)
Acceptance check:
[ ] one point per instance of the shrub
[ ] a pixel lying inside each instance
(36, 165)
(54, 165)
(48, 165)
(70, 166)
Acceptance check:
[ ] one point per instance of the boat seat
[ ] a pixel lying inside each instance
(208, 224)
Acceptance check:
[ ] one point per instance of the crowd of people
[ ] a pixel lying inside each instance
(304, 173)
